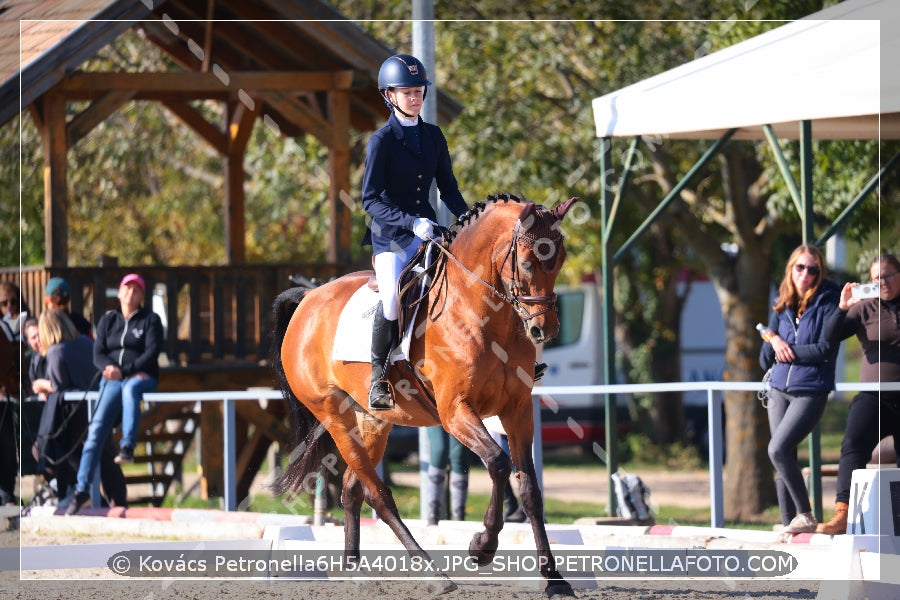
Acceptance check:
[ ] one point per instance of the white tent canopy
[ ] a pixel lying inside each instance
(836, 68)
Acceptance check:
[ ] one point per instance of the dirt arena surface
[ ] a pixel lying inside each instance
(103, 584)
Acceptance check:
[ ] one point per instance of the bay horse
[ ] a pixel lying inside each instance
(472, 357)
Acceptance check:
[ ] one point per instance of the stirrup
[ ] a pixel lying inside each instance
(380, 396)
(539, 370)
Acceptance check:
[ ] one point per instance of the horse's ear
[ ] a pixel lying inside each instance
(561, 210)
(528, 209)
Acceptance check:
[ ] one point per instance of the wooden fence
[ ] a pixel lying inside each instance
(212, 315)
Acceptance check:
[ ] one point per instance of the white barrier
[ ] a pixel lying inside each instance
(865, 562)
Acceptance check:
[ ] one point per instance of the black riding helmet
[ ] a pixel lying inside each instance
(401, 71)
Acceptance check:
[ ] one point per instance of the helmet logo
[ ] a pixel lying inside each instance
(413, 67)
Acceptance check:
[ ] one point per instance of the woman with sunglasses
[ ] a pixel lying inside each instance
(801, 356)
(873, 415)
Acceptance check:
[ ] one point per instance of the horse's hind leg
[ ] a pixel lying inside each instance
(362, 444)
(351, 499)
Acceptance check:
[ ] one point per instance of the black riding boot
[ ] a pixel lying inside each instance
(382, 340)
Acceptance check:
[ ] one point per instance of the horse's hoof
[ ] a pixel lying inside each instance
(557, 587)
(441, 585)
(481, 557)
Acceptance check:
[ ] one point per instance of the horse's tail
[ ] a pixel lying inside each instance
(311, 444)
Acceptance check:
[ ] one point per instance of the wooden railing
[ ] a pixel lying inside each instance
(217, 314)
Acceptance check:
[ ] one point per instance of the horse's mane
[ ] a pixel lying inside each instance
(544, 226)
(468, 217)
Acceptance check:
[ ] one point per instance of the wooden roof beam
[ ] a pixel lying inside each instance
(301, 114)
(192, 82)
(199, 125)
(93, 115)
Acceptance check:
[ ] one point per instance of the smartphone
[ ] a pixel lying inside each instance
(865, 290)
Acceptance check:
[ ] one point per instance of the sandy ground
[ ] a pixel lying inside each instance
(102, 584)
(686, 489)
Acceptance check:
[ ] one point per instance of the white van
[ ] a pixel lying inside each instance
(575, 357)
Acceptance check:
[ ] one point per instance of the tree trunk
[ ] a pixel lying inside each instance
(749, 486)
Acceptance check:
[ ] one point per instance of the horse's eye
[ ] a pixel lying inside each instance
(526, 267)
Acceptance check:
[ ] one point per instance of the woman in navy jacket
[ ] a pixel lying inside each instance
(402, 160)
(801, 356)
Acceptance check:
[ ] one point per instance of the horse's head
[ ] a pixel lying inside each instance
(532, 263)
(528, 253)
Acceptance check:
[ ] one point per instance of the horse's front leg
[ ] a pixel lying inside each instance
(533, 505)
(469, 429)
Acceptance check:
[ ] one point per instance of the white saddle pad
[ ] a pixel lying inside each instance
(353, 336)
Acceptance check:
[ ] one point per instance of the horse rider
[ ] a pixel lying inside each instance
(402, 159)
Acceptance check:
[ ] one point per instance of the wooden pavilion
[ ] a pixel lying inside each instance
(299, 66)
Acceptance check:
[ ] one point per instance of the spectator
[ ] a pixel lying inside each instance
(10, 382)
(126, 350)
(69, 368)
(446, 449)
(56, 295)
(800, 354)
(37, 362)
(12, 307)
(873, 415)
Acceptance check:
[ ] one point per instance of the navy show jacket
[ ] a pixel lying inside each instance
(397, 180)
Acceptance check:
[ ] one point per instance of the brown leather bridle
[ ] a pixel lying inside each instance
(514, 287)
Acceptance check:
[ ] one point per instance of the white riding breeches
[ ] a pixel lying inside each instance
(388, 266)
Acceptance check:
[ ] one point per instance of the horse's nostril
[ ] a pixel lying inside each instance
(537, 334)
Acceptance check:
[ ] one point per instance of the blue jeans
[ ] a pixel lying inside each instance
(117, 398)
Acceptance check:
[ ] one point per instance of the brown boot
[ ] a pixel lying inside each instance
(838, 524)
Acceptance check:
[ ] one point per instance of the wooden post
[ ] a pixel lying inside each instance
(339, 194)
(211, 459)
(235, 252)
(56, 195)
(240, 117)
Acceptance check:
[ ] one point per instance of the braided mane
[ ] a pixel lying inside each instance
(478, 209)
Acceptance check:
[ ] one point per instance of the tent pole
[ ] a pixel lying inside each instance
(783, 165)
(851, 208)
(675, 191)
(607, 262)
(806, 192)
